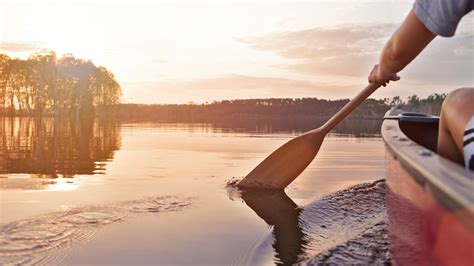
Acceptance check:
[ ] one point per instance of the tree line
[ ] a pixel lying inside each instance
(269, 109)
(46, 85)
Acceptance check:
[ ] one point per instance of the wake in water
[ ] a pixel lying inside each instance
(346, 227)
(36, 241)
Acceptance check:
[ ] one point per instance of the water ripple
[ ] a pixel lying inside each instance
(34, 241)
(348, 226)
(345, 227)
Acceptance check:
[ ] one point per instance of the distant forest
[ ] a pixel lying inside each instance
(268, 109)
(44, 85)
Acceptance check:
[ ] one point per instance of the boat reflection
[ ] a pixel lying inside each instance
(52, 148)
(279, 211)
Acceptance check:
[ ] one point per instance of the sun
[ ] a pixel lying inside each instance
(78, 41)
(68, 33)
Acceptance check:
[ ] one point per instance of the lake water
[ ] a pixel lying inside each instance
(99, 192)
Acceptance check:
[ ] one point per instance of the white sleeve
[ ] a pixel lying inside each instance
(442, 16)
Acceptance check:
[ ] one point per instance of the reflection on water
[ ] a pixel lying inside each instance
(279, 211)
(351, 127)
(50, 148)
(346, 227)
(152, 160)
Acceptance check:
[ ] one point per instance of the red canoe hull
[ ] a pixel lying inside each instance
(422, 232)
(426, 224)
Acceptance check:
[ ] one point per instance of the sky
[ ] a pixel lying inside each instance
(200, 51)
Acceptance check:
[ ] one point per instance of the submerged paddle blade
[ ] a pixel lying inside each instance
(285, 164)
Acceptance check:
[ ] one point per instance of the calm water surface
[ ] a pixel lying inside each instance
(154, 192)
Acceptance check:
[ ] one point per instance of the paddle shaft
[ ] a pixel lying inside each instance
(281, 167)
(349, 107)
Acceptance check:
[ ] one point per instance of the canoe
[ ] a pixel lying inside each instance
(430, 199)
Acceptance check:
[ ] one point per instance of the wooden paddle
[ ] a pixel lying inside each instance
(285, 164)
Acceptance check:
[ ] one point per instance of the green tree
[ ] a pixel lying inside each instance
(413, 101)
(46, 85)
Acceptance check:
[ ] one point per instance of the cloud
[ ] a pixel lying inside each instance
(322, 42)
(19, 46)
(236, 87)
(353, 50)
(252, 86)
(333, 51)
(159, 61)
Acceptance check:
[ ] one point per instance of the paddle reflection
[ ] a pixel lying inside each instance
(279, 211)
(51, 148)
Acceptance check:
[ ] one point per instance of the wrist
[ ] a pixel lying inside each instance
(383, 73)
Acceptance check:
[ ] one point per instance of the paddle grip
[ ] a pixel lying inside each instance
(349, 107)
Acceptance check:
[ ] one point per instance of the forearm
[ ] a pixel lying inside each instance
(405, 44)
(392, 60)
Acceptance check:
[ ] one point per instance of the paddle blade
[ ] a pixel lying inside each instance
(285, 164)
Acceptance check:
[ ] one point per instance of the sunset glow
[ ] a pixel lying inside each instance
(183, 51)
(236, 132)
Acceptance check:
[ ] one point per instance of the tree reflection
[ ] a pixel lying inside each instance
(51, 148)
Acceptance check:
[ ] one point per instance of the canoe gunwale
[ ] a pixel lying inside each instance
(450, 184)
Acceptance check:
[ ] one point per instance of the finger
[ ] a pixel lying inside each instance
(372, 78)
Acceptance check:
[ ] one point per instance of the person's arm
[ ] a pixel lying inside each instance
(404, 45)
